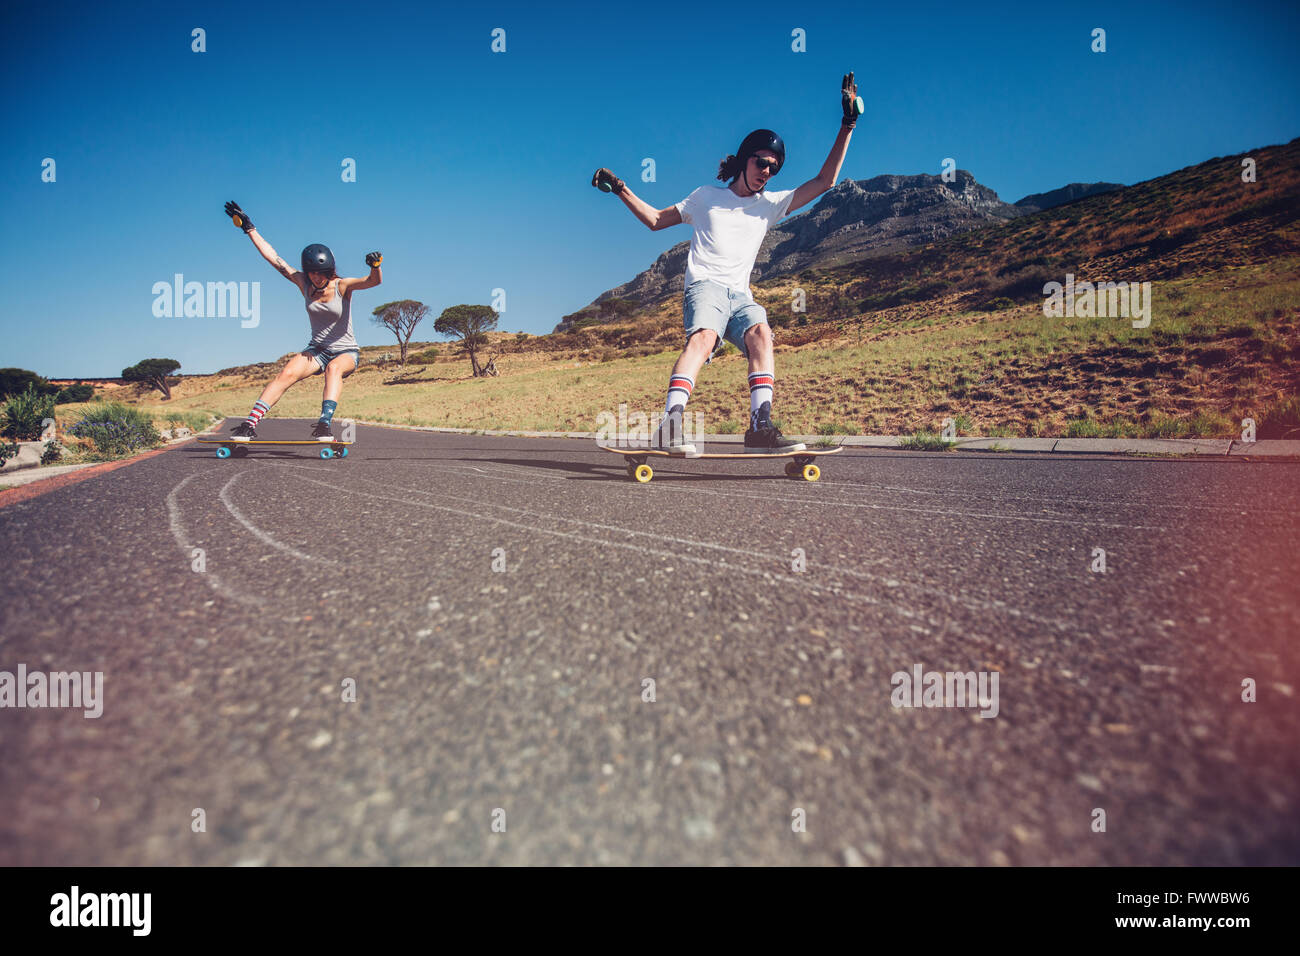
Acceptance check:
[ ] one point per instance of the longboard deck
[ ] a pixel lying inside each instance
(270, 441)
(226, 447)
(800, 466)
(632, 451)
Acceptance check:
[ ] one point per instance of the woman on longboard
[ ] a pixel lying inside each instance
(333, 348)
(730, 223)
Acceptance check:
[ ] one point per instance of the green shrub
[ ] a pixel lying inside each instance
(925, 441)
(7, 450)
(1083, 428)
(74, 393)
(116, 429)
(425, 357)
(24, 413)
(52, 453)
(15, 381)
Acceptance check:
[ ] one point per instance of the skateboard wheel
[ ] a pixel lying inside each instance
(326, 453)
(791, 469)
(859, 106)
(223, 451)
(343, 452)
(643, 473)
(811, 472)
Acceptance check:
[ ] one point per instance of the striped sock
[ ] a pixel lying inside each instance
(760, 389)
(679, 391)
(260, 408)
(327, 411)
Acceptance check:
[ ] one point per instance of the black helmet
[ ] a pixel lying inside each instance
(759, 140)
(318, 258)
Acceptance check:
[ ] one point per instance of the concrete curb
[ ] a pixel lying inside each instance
(16, 477)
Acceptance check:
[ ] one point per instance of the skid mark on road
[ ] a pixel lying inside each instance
(870, 487)
(187, 546)
(240, 596)
(887, 583)
(261, 535)
(822, 500)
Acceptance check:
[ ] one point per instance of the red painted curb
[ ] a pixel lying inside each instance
(37, 488)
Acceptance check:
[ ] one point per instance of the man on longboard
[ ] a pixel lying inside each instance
(333, 348)
(729, 225)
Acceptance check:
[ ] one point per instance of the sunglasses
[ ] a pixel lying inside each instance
(762, 164)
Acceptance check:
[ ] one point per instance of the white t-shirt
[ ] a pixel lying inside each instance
(728, 231)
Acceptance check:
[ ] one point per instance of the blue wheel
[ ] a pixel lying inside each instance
(326, 453)
(223, 451)
(344, 451)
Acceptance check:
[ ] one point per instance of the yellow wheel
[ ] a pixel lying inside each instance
(811, 472)
(643, 473)
(791, 469)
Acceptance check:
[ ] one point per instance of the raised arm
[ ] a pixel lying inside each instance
(240, 219)
(376, 276)
(654, 218)
(851, 104)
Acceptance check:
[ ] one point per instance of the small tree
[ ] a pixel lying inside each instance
(15, 381)
(401, 318)
(153, 372)
(470, 323)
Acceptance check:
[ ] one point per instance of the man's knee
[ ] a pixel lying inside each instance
(758, 335)
(701, 342)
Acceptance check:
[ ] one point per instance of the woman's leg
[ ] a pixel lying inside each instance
(338, 369)
(295, 370)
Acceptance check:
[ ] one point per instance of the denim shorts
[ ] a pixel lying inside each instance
(727, 312)
(324, 356)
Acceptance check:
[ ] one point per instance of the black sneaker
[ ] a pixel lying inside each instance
(764, 438)
(671, 435)
(244, 432)
(322, 432)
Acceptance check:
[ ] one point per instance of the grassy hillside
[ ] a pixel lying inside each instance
(896, 343)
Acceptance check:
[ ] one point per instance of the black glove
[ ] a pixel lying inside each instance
(374, 259)
(607, 182)
(850, 101)
(238, 216)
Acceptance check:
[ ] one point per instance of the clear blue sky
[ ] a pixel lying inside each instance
(473, 167)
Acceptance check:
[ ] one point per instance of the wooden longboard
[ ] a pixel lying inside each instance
(227, 446)
(800, 466)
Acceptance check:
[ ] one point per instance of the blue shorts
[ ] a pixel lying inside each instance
(324, 356)
(727, 312)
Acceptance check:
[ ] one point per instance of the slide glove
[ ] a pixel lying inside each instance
(239, 217)
(607, 182)
(850, 101)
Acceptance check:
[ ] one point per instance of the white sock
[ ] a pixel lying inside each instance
(679, 391)
(760, 389)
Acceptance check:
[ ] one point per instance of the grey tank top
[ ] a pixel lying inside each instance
(331, 322)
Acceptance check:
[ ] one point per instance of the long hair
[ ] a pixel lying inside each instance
(731, 168)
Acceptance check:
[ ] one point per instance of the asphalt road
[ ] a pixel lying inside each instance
(517, 696)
